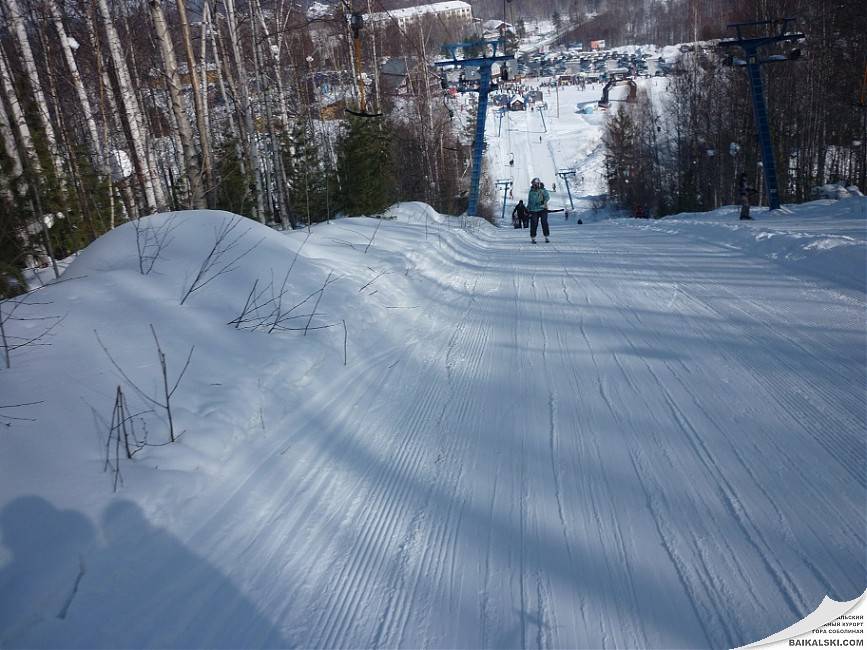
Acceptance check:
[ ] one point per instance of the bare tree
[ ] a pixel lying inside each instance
(168, 389)
(11, 311)
(251, 139)
(199, 101)
(221, 258)
(75, 78)
(173, 82)
(16, 19)
(151, 239)
(132, 115)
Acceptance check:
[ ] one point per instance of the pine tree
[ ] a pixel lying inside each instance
(619, 144)
(234, 187)
(364, 167)
(305, 175)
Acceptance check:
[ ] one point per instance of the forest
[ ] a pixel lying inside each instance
(116, 110)
(686, 152)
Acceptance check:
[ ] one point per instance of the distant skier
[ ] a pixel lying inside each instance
(520, 215)
(745, 190)
(537, 204)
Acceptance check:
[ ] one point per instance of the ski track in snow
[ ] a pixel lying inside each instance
(534, 462)
(618, 439)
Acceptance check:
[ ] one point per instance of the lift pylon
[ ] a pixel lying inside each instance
(483, 63)
(751, 47)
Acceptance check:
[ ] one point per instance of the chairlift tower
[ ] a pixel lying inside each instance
(751, 47)
(565, 174)
(506, 184)
(483, 63)
(501, 114)
(542, 115)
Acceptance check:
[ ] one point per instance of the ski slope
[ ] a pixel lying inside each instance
(541, 144)
(643, 434)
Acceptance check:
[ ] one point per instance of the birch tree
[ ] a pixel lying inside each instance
(14, 182)
(16, 20)
(243, 94)
(131, 114)
(17, 115)
(81, 93)
(199, 99)
(173, 82)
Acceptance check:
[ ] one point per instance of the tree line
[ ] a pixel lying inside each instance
(112, 110)
(686, 153)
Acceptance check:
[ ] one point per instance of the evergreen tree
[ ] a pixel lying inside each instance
(521, 28)
(557, 19)
(305, 175)
(364, 167)
(619, 144)
(234, 193)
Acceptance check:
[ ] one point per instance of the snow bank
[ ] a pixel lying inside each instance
(826, 238)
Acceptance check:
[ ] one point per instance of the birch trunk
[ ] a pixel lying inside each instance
(277, 155)
(173, 82)
(109, 117)
(243, 95)
(14, 183)
(274, 49)
(206, 115)
(376, 94)
(131, 114)
(224, 78)
(433, 161)
(75, 77)
(17, 115)
(17, 23)
(198, 104)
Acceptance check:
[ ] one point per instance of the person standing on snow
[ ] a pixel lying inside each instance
(520, 215)
(745, 190)
(537, 204)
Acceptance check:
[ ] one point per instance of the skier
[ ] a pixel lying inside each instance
(745, 191)
(537, 204)
(520, 215)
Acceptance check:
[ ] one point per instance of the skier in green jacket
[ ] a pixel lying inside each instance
(537, 204)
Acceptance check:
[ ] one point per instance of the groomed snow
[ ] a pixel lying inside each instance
(643, 434)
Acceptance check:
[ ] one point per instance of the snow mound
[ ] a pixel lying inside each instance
(824, 238)
(836, 191)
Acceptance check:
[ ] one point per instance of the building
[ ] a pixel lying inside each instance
(394, 76)
(496, 28)
(450, 10)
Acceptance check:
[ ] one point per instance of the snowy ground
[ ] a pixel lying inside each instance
(644, 434)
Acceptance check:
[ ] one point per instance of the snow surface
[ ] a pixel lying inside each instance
(644, 434)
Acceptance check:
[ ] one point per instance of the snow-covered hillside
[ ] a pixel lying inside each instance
(643, 434)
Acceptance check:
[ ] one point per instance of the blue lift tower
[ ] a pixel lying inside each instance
(751, 47)
(483, 63)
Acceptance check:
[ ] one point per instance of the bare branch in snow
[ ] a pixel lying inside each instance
(221, 258)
